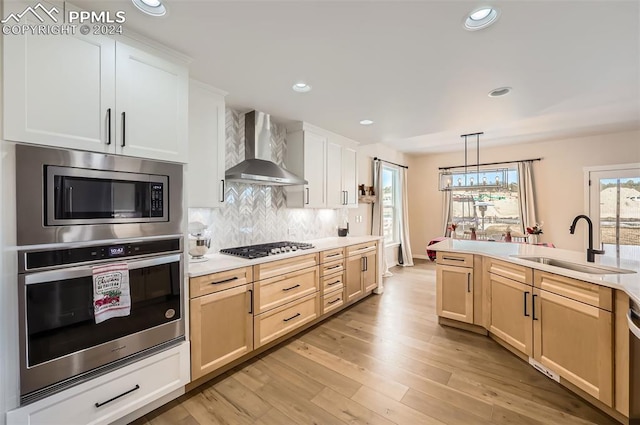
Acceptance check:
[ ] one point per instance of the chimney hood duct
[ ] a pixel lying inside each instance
(257, 168)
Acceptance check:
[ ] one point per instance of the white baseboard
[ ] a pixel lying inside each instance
(422, 257)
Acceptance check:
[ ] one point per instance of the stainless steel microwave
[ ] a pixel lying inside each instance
(73, 196)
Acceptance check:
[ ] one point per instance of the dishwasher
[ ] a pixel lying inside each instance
(633, 317)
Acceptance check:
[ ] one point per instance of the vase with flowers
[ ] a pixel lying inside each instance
(452, 229)
(533, 233)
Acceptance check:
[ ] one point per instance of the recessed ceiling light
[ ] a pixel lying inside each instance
(301, 87)
(481, 18)
(502, 91)
(366, 122)
(150, 7)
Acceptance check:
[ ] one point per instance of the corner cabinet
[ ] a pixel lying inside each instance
(329, 164)
(206, 165)
(221, 319)
(307, 157)
(97, 94)
(361, 270)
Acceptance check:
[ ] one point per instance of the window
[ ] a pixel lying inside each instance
(614, 207)
(490, 210)
(390, 204)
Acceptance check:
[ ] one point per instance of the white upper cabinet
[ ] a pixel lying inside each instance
(327, 161)
(59, 90)
(206, 166)
(87, 92)
(151, 104)
(306, 157)
(350, 176)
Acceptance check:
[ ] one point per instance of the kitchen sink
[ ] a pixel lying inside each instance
(575, 266)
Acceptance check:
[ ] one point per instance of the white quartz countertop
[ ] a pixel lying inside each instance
(628, 282)
(220, 262)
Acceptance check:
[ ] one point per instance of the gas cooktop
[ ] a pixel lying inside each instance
(264, 250)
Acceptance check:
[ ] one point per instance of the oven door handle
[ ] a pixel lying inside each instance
(84, 271)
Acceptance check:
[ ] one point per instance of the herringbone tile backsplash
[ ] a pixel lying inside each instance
(255, 214)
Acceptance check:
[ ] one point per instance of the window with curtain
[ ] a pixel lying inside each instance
(390, 204)
(490, 210)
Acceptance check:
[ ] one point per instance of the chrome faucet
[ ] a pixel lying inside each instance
(591, 253)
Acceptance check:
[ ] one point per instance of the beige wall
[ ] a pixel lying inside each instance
(559, 183)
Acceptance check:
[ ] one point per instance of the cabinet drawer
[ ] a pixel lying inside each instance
(282, 320)
(333, 282)
(279, 290)
(288, 265)
(516, 272)
(588, 293)
(117, 393)
(454, 259)
(331, 255)
(361, 248)
(333, 267)
(220, 281)
(332, 301)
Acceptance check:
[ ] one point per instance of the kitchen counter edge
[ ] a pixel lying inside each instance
(629, 283)
(221, 262)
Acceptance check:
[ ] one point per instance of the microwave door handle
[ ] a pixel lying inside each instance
(70, 190)
(84, 271)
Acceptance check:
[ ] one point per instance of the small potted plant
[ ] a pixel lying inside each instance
(473, 236)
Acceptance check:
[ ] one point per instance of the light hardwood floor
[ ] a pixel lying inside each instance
(382, 361)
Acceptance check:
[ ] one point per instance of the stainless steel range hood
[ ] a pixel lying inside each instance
(257, 168)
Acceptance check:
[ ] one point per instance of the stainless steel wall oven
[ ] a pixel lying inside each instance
(76, 211)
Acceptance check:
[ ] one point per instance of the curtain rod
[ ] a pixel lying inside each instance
(375, 158)
(491, 163)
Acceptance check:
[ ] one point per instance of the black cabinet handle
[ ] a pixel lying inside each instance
(250, 301)
(533, 307)
(124, 129)
(452, 259)
(293, 287)
(291, 318)
(334, 267)
(362, 264)
(366, 264)
(307, 189)
(347, 201)
(334, 283)
(525, 304)
(222, 191)
(231, 279)
(468, 282)
(334, 301)
(108, 126)
(137, 387)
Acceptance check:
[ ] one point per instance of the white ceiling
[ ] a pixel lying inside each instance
(411, 67)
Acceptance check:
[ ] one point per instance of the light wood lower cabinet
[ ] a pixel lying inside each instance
(282, 320)
(572, 338)
(510, 313)
(575, 340)
(221, 328)
(454, 292)
(361, 270)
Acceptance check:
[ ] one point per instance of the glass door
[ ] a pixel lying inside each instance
(614, 206)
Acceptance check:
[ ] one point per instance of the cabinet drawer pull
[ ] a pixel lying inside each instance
(293, 287)
(335, 254)
(453, 259)
(525, 304)
(533, 307)
(334, 267)
(334, 301)
(291, 318)
(231, 279)
(137, 387)
(334, 283)
(108, 126)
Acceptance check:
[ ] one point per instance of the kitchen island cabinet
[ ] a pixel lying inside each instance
(561, 324)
